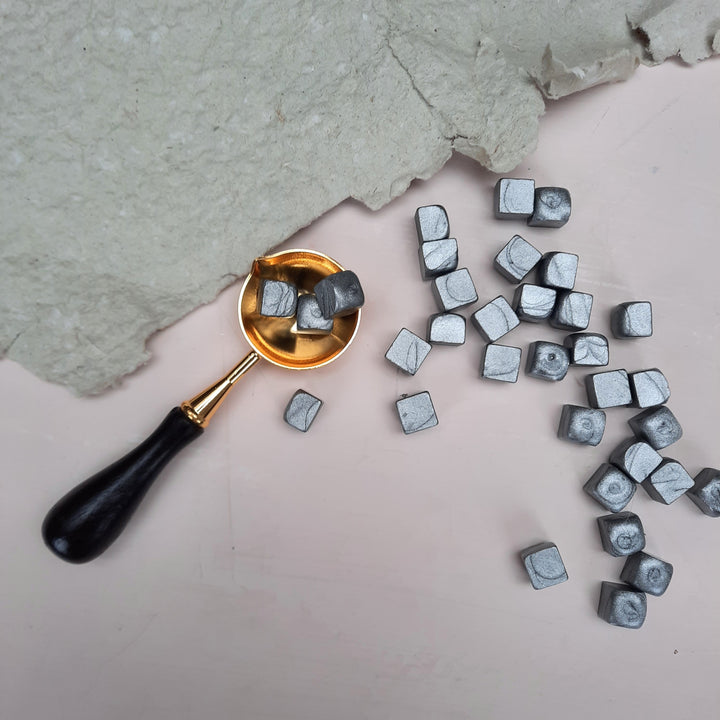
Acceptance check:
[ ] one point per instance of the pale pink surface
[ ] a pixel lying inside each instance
(354, 572)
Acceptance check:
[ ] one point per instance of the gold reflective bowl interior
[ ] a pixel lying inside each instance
(276, 338)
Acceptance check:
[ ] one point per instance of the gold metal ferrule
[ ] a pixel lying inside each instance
(202, 407)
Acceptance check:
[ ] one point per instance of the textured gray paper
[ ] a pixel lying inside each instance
(150, 152)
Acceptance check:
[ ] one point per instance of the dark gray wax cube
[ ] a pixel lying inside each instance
(552, 207)
(657, 426)
(668, 481)
(611, 487)
(408, 351)
(416, 412)
(706, 492)
(572, 310)
(501, 362)
(635, 458)
(276, 298)
(495, 319)
(534, 303)
(647, 573)
(581, 425)
(588, 349)
(438, 257)
(514, 198)
(547, 361)
(339, 294)
(622, 606)
(632, 320)
(544, 565)
(431, 223)
(516, 259)
(608, 389)
(621, 533)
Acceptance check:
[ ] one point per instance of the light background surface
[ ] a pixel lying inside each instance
(354, 572)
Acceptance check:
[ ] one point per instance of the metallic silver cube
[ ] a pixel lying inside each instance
(501, 362)
(668, 481)
(454, 290)
(446, 329)
(608, 389)
(635, 458)
(309, 319)
(649, 388)
(572, 311)
(706, 492)
(588, 349)
(495, 319)
(339, 294)
(581, 425)
(622, 606)
(547, 361)
(276, 298)
(514, 198)
(611, 487)
(302, 410)
(438, 257)
(431, 223)
(534, 303)
(558, 270)
(552, 207)
(621, 533)
(416, 412)
(657, 426)
(408, 351)
(516, 259)
(544, 565)
(632, 320)
(647, 573)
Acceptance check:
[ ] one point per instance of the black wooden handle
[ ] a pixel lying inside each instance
(86, 521)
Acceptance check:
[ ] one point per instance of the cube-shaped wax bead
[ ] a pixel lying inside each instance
(408, 351)
(611, 487)
(310, 319)
(621, 533)
(657, 426)
(495, 319)
(514, 198)
(588, 349)
(647, 573)
(446, 329)
(277, 298)
(622, 606)
(635, 458)
(301, 410)
(438, 257)
(431, 223)
(501, 362)
(649, 388)
(631, 320)
(516, 259)
(416, 412)
(557, 270)
(544, 565)
(534, 303)
(454, 290)
(581, 425)
(572, 310)
(547, 361)
(552, 207)
(339, 294)
(608, 389)
(668, 481)
(706, 492)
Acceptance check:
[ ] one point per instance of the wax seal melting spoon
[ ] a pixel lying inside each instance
(86, 521)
